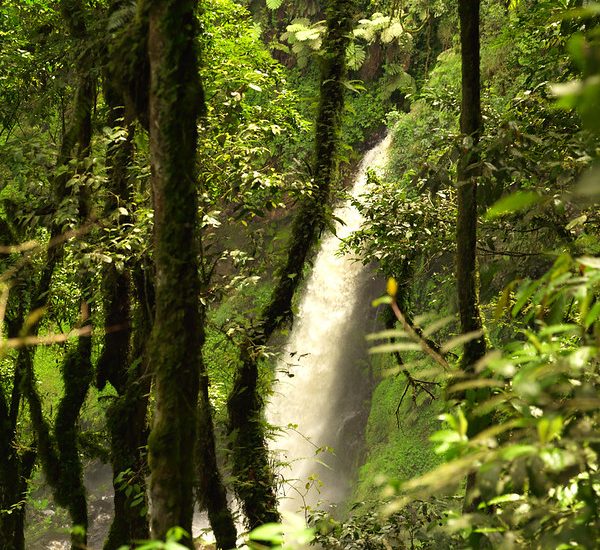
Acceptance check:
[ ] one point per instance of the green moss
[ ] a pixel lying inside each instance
(397, 449)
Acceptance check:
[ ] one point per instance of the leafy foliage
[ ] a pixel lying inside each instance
(535, 466)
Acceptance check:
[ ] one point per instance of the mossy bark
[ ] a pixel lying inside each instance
(16, 459)
(77, 369)
(175, 95)
(113, 361)
(212, 494)
(58, 453)
(467, 275)
(123, 362)
(255, 480)
(128, 63)
(250, 458)
(127, 424)
(9, 468)
(471, 126)
(77, 375)
(58, 449)
(140, 46)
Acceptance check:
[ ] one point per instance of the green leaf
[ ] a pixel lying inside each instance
(462, 423)
(382, 300)
(549, 429)
(390, 333)
(523, 294)
(511, 497)
(272, 532)
(592, 315)
(558, 329)
(274, 4)
(521, 200)
(589, 261)
(461, 339)
(437, 325)
(579, 220)
(515, 451)
(396, 346)
(445, 436)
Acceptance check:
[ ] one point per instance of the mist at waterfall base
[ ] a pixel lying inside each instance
(320, 399)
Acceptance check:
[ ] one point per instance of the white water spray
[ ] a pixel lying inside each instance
(320, 390)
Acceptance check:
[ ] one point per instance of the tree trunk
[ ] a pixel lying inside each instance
(59, 453)
(211, 492)
(175, 94)
(126, 419)
(15, 466)
(125, 368)
(471, 126)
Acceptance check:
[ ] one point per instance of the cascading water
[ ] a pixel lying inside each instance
(322, 385)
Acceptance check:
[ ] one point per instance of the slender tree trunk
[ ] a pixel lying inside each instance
(15, 465)
(212, 494)
(113, 362)
(125, 368)
(471, 126)
(175, 95)
(250, 457)
(126, 419)
(77, 369)
(59, 451)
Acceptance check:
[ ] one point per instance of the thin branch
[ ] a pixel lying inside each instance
(47, 340)
(30, 247)
(489, 252)
(417, 338)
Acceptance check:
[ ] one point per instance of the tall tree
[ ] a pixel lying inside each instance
(139, 61)
(175, 99)
(16, 458)
(251, 465)
(471, 126)
(58, 448)
(123, 362)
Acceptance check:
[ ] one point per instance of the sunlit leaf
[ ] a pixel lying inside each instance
(274, 4)
(460, 340)
(396, 346)
(521, 200)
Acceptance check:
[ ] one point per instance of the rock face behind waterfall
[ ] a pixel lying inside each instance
(322, 392)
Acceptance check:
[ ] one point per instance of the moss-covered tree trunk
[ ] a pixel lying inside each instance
(467, 275)
(122, 364)
(212, 494)
(254, 476)
(16, 458)
(58, 448)
(77, 370)
(471, 126)
(9, 475)
(175, 97)
(126, 419)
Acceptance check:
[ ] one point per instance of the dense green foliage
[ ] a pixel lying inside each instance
(190, 271)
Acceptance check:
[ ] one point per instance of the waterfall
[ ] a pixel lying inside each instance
(322, 385)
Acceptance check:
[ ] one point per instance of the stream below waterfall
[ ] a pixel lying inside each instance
(322, 391)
